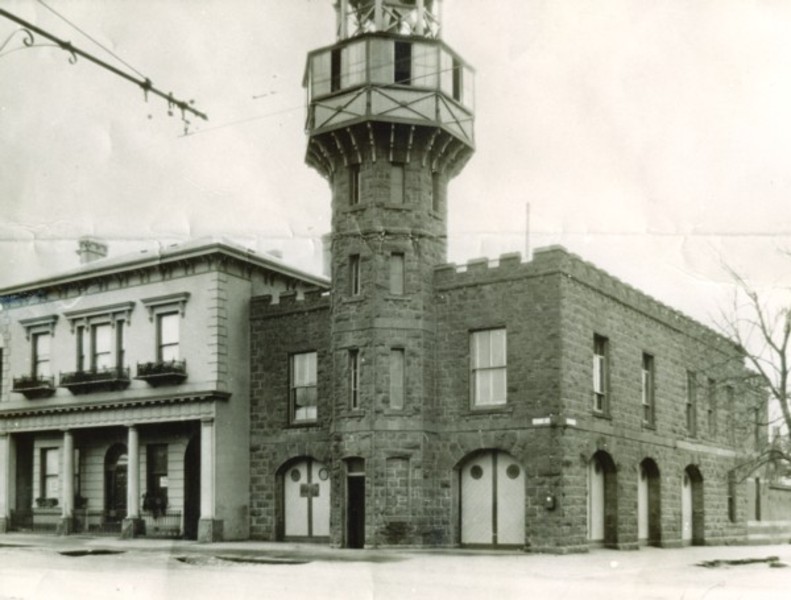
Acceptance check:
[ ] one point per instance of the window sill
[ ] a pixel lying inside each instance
(303, 424)
(649, 426)
(599, 414)
(497, 409)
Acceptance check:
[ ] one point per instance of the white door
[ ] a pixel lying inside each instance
(686, 509)
(642, 504)
(492, 500)
(306, 499)
(595, 501)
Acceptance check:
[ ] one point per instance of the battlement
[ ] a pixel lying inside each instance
(289, 302)
(557, 260)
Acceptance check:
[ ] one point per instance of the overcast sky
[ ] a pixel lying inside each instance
(652, 138)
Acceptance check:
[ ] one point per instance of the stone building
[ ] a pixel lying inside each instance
(544, 405)
(124, 400)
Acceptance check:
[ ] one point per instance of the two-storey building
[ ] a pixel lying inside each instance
(125, 391)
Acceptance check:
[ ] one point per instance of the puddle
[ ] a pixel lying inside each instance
(92, 552)
(250, 560)
(772, 561)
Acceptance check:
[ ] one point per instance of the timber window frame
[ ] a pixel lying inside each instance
(353, 363)
(601, 375)
(648, 390)
(488, 368)
(303, 388)
(691, 404)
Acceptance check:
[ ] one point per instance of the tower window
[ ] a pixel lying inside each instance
(457, 80)
(648, 390)
(335, 70)
(354, 379)
(600, 374)
(354, 184)
(397, 273)
(397, 372)
(488, 366)
(692, 395)
(354, 275)
(397, 187)
(403, 63)
(303, 387)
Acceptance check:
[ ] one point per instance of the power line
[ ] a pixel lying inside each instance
(110, 52)
(144, 83)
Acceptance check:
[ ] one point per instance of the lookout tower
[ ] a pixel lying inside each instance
(390, 122)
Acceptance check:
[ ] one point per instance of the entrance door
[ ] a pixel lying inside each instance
(355, 503)
(686, 510)
(595, 501)
(115, 479)
(306, 498)
(492, 500)
(192, 488)
(642, 505)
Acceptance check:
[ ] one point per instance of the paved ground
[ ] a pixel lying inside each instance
(53, 568)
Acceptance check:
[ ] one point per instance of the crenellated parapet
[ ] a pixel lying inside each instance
(288, 303)
(556, 260)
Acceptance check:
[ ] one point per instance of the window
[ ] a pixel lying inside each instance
(100, 346)
(167, 337)
(335, 70)
(600, 373)
(731, 399)
(303, 387)
(457, 80)
(354, 184)
(488, 364)
(397, 273)
(50, 473)
(354, 379)
(41, 350)
(354, 275)
(435, 192)
(692, 394)
(732, 497)
(403, 63)
(156, 477)
(712, 407)
(397, 187)
(397, 374)
(648, 389)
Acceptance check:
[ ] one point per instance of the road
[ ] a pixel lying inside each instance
(138, 572)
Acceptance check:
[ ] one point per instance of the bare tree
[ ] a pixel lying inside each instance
(763, 332)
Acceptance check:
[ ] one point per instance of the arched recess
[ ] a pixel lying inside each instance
(649, 507)
(692, 509)
(305, 500)
(602, 499)
(492, 498)
(116, 463)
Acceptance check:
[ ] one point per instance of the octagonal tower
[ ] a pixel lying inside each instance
(390, 122)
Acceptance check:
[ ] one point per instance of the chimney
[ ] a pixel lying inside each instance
(91, 249)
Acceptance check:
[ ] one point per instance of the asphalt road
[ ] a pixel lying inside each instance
(110, 569)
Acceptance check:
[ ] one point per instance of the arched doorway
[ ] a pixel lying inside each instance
(492, 500)
(649, 512)
(116, 464)
(692, 512)
(192, 488)
(602, 499)
(355, 503)
(306, 500)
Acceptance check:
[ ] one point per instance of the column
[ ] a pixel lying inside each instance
(133, 525)
(67, 485)
(209, 528)
(5, 481)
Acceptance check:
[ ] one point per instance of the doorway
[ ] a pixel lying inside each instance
(192, 488)
(355, 503)
(116, 465)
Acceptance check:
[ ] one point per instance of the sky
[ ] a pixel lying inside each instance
(651, 138)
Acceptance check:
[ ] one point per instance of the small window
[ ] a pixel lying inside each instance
(303, 387)
(397, 374)
(354, 275)
(488, 350)
(648, 389)
(403, 63)
(457, 80)
(712, 407)
(354, 378)
(335, 70)
(168, 337)
(50, 473)
(397, 273)
(435, 192)
(354, 184)
(600, 374)
(692, 395)
(41, 354)
(101, 347)
(731, 399)
(397, 188)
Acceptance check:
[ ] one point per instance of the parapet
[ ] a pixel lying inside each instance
(289, 302)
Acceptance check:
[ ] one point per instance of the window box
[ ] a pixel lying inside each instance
(34, 386)
(107, 379)
(163, 372)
